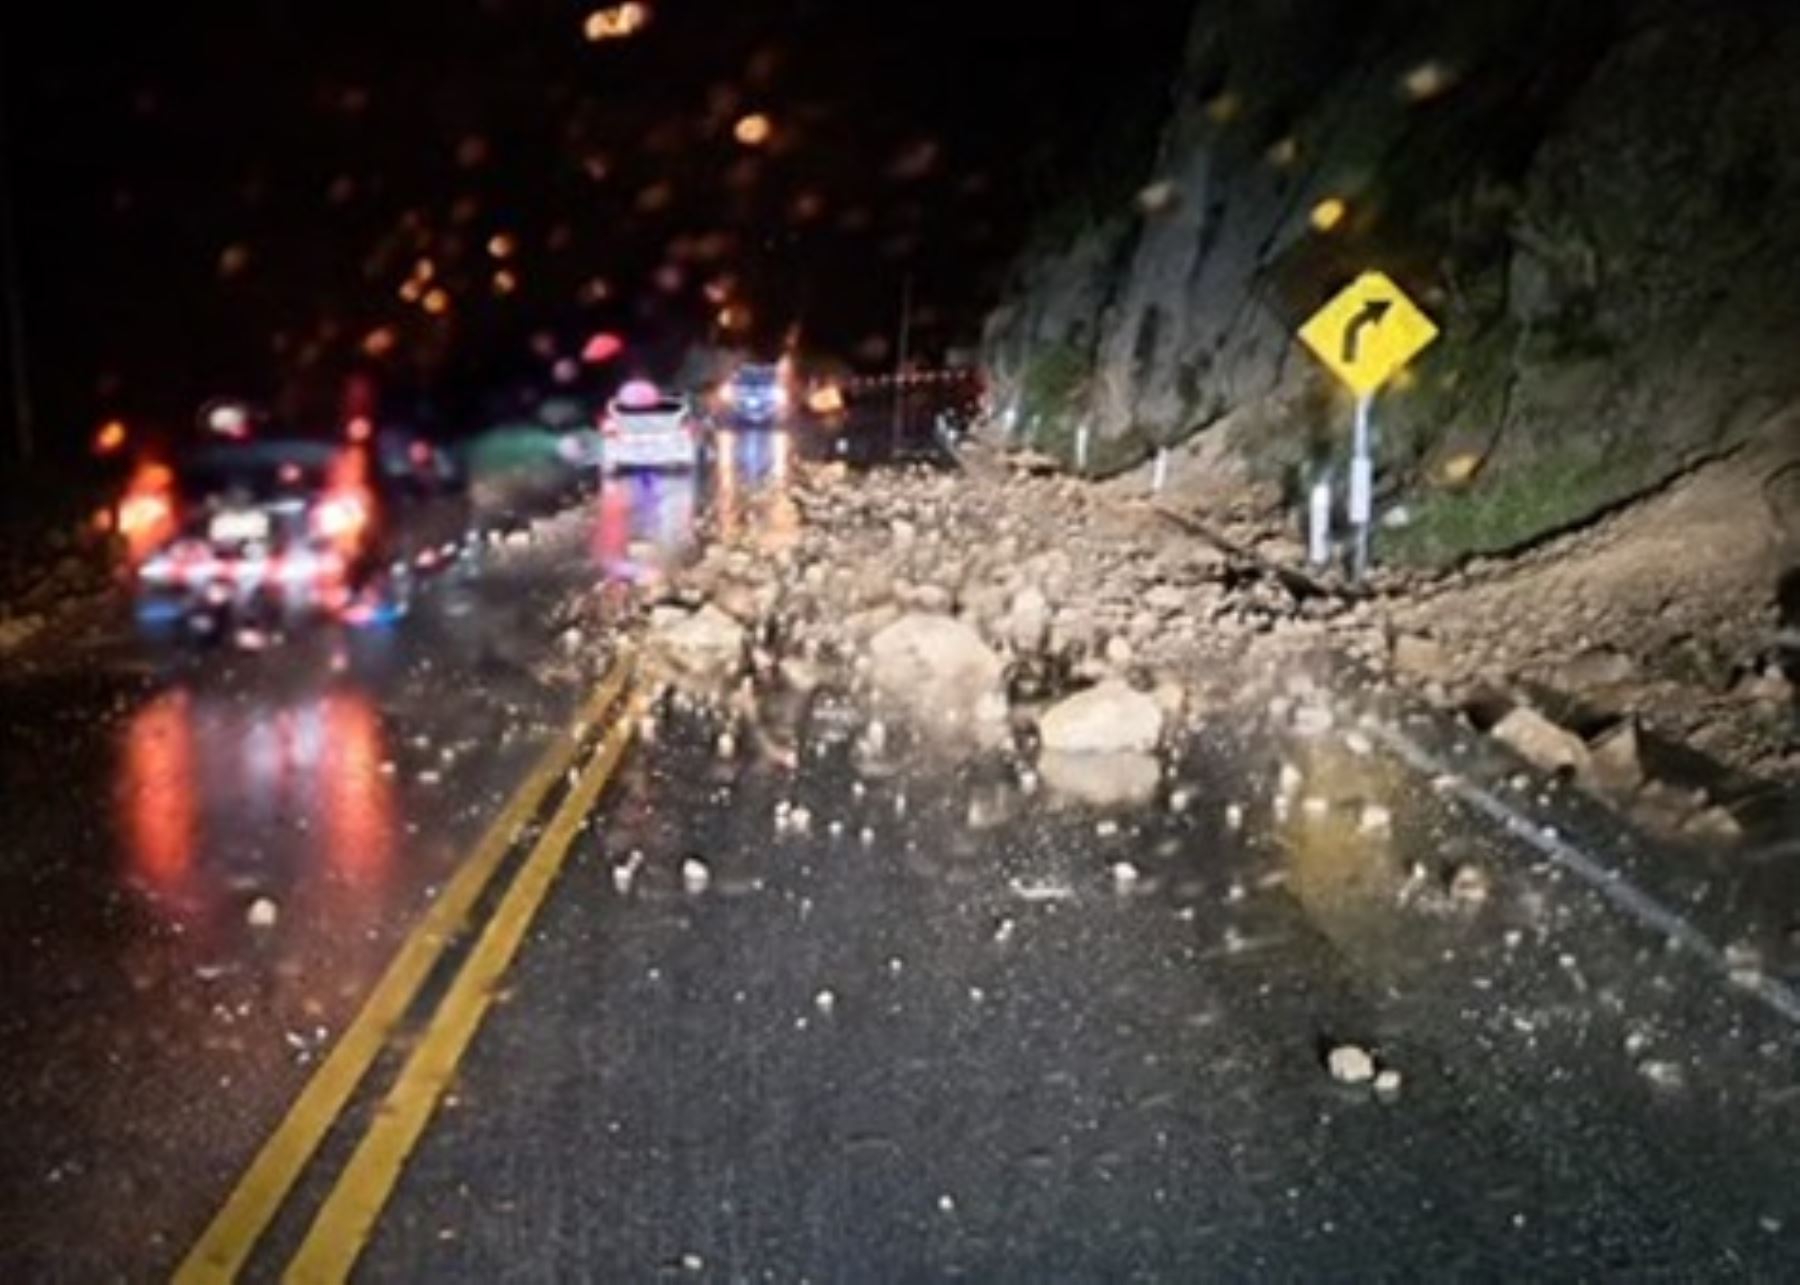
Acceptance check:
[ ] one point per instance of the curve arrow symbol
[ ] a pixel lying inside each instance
(1371, 315)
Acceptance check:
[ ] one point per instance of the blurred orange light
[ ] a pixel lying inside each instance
(501, 245)
(753, 130)
(1427, 80)
(505, 281)
(110, 438)
(424, 270)
(147, 513)
(359, 429)
(411, 290)
(379, 342)
(1328, 214)
(617, 22)
(827, 399)
(437, 302)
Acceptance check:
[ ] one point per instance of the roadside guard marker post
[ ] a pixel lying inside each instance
(1366, 335)
(1318, 527)
(1159, 477)
(1081, 449)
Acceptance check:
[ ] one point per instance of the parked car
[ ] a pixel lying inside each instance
(643, 429)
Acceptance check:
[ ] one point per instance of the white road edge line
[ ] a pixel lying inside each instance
(1611, 884)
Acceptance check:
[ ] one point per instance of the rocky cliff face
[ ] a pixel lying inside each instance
(1599, 203)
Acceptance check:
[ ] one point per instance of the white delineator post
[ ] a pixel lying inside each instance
(1159, 476)
(1081, 449)
(1362, 486)
(1318, 527)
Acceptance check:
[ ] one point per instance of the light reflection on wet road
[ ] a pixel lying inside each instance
(153, 793)
(645, 524)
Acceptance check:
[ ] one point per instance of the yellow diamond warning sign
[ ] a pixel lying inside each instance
(1368, 333)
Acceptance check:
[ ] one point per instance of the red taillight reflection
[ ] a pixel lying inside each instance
(358, 800)
(158, 804)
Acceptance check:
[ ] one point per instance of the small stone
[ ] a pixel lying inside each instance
(1315, 806)
(1312, 720)
(1716, 824)
(1662, 1073)
(1350, 1064)
(1423, 659)
(1387, 1084)
(1468, 885)
(727, 745)
(1125, 876)
(262, 913)
(695, 876)
(1375, 819)
(825, 1001)
(1234, 816)
(1541, 742)
(1615, 760)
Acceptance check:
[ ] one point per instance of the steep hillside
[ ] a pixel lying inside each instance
(1595, 202)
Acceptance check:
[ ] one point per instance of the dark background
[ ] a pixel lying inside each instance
(334, 145)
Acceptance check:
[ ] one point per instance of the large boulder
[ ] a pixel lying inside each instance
(937, 666)
(702, 644)
(1111, 718)
(1103, 780)
(1542, 743)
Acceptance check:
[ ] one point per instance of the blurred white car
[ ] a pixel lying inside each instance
(642, 429)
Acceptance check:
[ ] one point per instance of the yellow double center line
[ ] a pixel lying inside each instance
(348, 1215)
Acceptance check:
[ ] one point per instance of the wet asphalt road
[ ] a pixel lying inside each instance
(901, 1046)
(961, 1026)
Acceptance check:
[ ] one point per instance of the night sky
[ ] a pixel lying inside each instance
(235, 197)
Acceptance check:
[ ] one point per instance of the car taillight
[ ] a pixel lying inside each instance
(147, 511)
